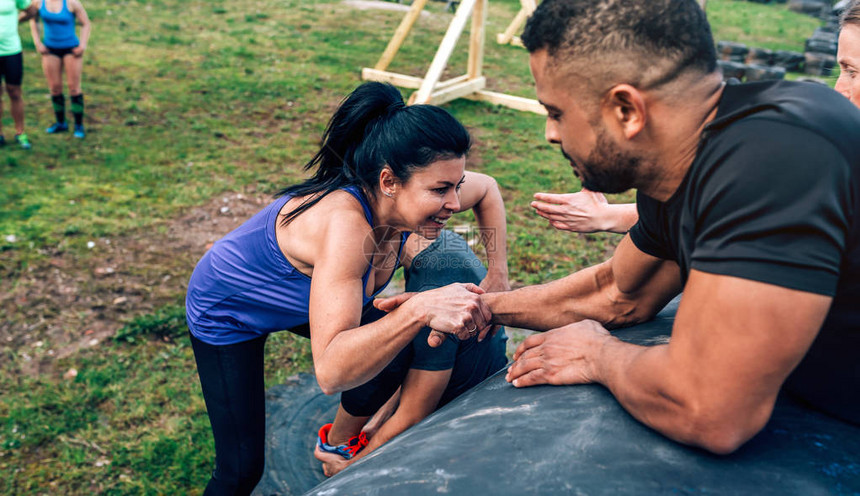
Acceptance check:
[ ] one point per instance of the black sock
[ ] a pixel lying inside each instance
(78, 108)
(59, 103)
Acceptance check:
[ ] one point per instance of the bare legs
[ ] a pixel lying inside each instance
(53, 68)
(17, 107)
(74, 67)
(16, 104)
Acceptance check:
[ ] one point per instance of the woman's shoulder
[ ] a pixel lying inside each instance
(338, 212)
(334, 230)
(74, 6)
(335, 204)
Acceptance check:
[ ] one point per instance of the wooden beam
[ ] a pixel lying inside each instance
(470, 85)
(450, 82)
(449, 42)
(513, 27)
(514, 102)
(402, 80)
(461, 90)
(405, 81)
(400, 35)
(476, 40)
(527, 8)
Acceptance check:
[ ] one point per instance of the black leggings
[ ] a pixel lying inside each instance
(12, 69)
(232, 380)
(231, 377)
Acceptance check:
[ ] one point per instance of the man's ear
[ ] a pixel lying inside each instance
(624, 108)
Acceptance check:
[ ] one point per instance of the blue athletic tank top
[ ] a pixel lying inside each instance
(59, 27)
(244, 286)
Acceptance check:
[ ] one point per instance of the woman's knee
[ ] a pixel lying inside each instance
(14, 92)
(448, 260)
(365, 400)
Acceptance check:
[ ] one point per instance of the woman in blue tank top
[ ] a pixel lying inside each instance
(62, 50)
(313, 260)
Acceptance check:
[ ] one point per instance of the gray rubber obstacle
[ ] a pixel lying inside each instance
(500, 440)
(295, 411)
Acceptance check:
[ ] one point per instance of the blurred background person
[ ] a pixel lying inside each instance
(61, 50)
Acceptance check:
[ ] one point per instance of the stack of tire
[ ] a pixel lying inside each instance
(815, 8)
(820, 53)
(755, 64)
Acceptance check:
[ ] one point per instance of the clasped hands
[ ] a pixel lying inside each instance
(565, 355)
(455, 309)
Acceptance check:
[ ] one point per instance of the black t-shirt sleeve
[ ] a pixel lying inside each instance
(774, 208)
(646, 233)
(427, 358)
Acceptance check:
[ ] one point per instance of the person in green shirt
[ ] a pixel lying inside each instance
(12, 63)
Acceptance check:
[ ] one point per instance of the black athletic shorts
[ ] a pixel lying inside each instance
(12, 69)
(59, 52)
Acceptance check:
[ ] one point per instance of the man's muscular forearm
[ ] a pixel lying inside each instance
(628, 288)
(734, 341)
(588, 294)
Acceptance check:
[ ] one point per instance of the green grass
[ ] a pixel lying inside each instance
(770, 26)
(131, 422)
(187, 100)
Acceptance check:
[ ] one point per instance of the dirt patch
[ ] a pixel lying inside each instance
(65, 303)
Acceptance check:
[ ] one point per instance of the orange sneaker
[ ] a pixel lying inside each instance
(348, 450)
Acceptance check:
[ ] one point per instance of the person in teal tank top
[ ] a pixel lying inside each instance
(13, 12)
(62, 50)
(312, 261)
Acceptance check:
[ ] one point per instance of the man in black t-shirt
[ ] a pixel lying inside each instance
(749, 198)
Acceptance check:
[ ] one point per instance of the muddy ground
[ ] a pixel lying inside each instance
(65, 303)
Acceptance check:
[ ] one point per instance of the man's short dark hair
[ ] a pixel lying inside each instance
(644, 43)
(851, 14)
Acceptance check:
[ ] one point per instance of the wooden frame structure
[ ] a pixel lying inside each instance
(429, 88)
(508, 37)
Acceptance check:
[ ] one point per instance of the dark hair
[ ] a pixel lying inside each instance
(851, 14)
(373, 129)
(644, 43)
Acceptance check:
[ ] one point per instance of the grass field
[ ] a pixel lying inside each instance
(189, 101)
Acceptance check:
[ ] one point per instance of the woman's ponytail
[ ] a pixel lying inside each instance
(373, 128)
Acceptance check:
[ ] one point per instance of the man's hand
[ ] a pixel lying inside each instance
(566, 355)
(584, 211)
